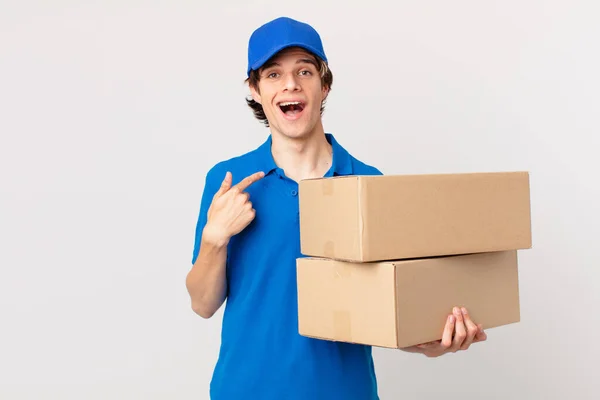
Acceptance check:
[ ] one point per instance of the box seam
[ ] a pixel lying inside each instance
(361, 215)
(396, 308)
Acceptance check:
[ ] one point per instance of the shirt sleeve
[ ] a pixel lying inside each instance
(211, 185)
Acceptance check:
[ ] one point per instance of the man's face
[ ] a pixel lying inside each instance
(291, 94)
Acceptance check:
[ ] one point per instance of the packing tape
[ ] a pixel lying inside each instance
(327, 186)
(342, 329)
(329, 249)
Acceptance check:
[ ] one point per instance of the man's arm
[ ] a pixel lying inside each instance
(229, 213)
(206, 282)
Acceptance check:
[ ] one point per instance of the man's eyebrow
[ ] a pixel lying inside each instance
(300, 61)
(269, 65)
(307, 61)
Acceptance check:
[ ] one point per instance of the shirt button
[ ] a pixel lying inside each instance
(294, 193)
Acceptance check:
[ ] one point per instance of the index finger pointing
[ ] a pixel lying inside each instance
(249, 180)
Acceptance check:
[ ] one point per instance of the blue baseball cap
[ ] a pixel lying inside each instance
(278, 34)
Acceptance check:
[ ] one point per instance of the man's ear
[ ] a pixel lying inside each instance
(255, 94)
(324, 93)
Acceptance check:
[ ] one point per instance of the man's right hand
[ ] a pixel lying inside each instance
(230, 211)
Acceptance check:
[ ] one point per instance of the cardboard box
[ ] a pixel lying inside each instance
(398, 304)
(374, 218)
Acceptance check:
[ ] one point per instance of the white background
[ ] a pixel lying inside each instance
(111, 114)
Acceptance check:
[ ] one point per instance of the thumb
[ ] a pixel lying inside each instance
(225, 185)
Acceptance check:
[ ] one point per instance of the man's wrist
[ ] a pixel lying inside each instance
(214, 238)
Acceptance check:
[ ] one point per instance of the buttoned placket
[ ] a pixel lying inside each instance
(288, 188)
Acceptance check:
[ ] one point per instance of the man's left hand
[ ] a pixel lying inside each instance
(459, 333)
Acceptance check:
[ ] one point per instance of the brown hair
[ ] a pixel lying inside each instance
(253, 79)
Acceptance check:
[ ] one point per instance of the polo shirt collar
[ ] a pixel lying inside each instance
(264, 158)
(341, 165)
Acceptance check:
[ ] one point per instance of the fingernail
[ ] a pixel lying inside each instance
(455, 310)
(451, 318)
(464, 310)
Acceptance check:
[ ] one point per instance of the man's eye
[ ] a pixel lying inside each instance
(272, 75)
(305, 72)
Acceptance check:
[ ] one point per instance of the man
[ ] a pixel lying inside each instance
(247, 237)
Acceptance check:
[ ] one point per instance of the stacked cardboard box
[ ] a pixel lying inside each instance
(387, 257)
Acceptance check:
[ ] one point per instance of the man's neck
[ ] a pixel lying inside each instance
(305, 158)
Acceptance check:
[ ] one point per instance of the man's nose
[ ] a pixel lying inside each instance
(291, 82)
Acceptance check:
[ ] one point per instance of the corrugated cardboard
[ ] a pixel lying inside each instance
(403, 303)
(374, 218)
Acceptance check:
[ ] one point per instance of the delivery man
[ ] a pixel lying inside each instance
(247, 238)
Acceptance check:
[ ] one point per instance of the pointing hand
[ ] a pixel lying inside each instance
(231, 210)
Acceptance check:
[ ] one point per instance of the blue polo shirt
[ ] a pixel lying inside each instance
(262, 355)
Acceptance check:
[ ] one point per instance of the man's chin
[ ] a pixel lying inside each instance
(298, 129)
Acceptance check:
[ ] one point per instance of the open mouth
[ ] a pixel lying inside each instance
(291, 109)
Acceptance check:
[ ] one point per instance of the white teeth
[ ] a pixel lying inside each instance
(290, 103)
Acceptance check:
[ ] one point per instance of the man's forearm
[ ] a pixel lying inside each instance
(206, 282)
